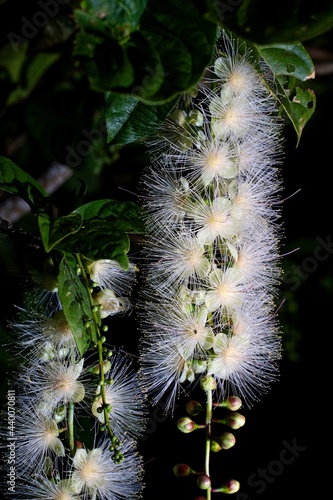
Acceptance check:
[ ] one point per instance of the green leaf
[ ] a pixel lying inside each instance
(122, 17)
(299, 109)
(184, 41)
(103, 232)
(62, 228)
(14, 180)
(264, 22)
(75, 301)
(290, 63)
(290, 59)
(166, 55)
(128, 119)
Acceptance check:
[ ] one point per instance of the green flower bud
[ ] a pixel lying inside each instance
(182, 470)
(193, 408)
(232, 403)
(178, 116)
(226, 440)
(208, 383)
(229, 487)
(234, 420)
(186, 425)
(204, 482)
(195, 117)
(59, 414)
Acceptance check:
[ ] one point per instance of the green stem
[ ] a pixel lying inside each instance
(96, 319)
(70, 417)
(209, 409)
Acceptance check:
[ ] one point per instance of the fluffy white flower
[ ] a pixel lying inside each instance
(211, 160)
(96, 475)
(165, 197)
(111, 304)
(128, 415)
(109, 274)
(225, 290)
(54, 383)
(42, 488)
(36, 438)
(42, 338)
(213, 219)
(181, 259)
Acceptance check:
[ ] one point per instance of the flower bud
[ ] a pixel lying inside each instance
(182, 470)
(195, 117)
(193, 408)
(59, 414)
(229, 487)
(204, 482)
(235, 420)
(232, 403)
(208, 383)
(223, 442)
(186, 425)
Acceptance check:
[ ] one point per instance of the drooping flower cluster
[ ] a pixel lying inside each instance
(211, 207)
(59, 391)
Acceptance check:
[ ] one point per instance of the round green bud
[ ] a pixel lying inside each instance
(193, 408)
(204, 482)
(229, 487)
(182, 470)
(105, 328)
(95, 309)
(59, 414)
(195, 117)
(178, 116)
(102, 339)
(208, 383)
(226, 440)
(186, 425)
(78, 271)
(235, 420)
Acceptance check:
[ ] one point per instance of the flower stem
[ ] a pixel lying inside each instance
(209, 407)
(71, 428)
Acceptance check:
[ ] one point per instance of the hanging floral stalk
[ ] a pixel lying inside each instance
(211, 205)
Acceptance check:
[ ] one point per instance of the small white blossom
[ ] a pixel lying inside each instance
(95, 474)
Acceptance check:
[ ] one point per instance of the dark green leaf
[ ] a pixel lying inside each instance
(166, 56)
(14, 180)
(75, 302)
(62, 228)
(128, 119)
(290, 63)
(104, 231)
(264, 22)
(288, 59)
(299, 109)
(122, 17)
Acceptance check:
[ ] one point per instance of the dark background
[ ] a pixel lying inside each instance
(295, 414)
